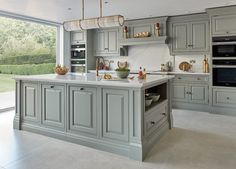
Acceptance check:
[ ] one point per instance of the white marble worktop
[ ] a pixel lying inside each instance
(155, 72)
(92, 79)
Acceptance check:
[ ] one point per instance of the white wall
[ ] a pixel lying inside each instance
(147, 56)
(152, 56)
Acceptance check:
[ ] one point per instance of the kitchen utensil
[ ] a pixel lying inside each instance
(148, 102)
(185, 66)
(154, 96)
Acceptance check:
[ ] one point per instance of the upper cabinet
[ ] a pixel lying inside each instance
(189, 34)
(78, 37)
(223, 21)
(139, 26)
(106, 42)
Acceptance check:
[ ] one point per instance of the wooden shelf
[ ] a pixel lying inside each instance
(143, 41)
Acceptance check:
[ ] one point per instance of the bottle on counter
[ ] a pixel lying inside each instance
(205, 65)
(144, 73)
(126, 32)
(157, 29)
(140, 73)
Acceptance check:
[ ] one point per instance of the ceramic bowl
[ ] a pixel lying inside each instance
(148, 102)
(122, 73)
(154, 96)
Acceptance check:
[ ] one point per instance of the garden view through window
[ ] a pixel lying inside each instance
(26, 48)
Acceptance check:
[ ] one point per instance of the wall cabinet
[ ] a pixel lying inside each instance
(30, 102)
(78, 37)
(190, 37)
(53, 105)
(115, 114)
(82, 109)
(106, 42)
(189, 34)
(224, 25)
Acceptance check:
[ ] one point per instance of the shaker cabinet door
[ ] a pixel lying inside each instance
(115, 114)
(180, 37)
(30, 102)
(224, 25)
(53, 106)
(82, 109)
(199, 36)
(99, 43)
(198, 94)
(78, 37)
(112, 41)
(180, 92)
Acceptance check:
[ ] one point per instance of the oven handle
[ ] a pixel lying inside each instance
(224, 43)
(78, 49)
(224, 66)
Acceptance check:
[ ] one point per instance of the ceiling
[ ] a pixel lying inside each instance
(62, 10)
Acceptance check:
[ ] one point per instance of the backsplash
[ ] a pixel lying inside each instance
(149, 56)
(152, 56)
(196, 67)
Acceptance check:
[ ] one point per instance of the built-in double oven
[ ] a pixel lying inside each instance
(78, 58)
(224, 61)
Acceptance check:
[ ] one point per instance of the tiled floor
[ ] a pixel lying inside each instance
(198, 141)
(7, 100)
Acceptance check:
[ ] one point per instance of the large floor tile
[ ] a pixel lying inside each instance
(198, 141)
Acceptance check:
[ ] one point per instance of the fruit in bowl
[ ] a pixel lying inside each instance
(61, 70)
(122, 72)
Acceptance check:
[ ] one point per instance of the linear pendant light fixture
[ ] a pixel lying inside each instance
(94, 23)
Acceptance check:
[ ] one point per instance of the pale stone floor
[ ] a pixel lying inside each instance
(198, 141)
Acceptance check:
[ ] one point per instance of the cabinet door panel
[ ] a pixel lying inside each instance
(83, 109)
(30, 101)
(180, 92)
(99, 42)
(53, 105)
(78, 37)
(112, 41)
(200, 38)
(225, 98)
(224, 25)
(180, 37)
(115, 114)
(199, 94)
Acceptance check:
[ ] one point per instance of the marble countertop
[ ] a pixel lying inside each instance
(92, 79)
(155, 72)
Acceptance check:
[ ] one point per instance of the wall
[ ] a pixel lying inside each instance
(152, 56)
(147, 56)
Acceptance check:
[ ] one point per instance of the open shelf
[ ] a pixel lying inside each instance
(153, 105)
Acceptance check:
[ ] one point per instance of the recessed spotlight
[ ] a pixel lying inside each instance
(69, 9)
(106, 2)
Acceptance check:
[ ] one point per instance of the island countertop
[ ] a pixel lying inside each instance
(92, 79)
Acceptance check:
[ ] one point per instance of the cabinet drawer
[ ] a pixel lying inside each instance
(226, 98)
(155, 118)
(191, 78)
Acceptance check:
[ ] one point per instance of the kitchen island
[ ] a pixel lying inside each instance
(109, 115)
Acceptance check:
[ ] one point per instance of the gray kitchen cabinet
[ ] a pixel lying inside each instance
(180, 37)
(224, 25)
(115, 114)
(30, 102)
(154, 118)
(106, 42)
(224, 97)
(82, 109)
(191, 91)
(53, 105)
(78, 37)
(180, 92)
(189, 35)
